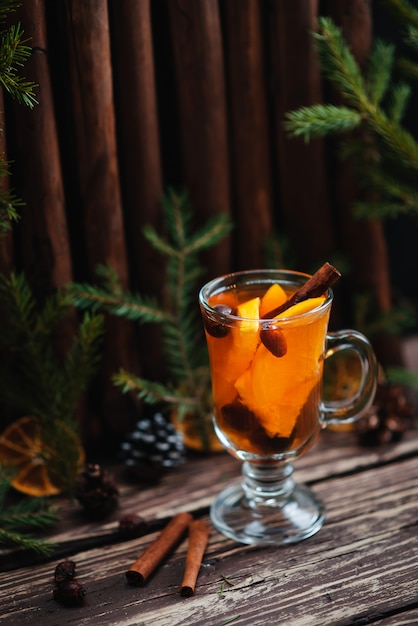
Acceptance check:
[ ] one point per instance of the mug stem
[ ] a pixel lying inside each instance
(267, 507)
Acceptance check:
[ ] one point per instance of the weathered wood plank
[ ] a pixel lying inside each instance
(335, 455)
(360, 568)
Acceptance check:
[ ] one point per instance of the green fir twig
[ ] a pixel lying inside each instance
(19, 518)
(188, 385)
(14, 53)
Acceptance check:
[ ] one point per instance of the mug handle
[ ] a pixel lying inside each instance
(349, 410)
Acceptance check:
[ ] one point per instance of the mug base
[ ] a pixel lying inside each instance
(300, 516)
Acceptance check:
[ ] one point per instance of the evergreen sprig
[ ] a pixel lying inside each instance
(184, 347)
(110, 296)
(14, 52)
(369, 120)
(374, 106)
(17, 519)
(37, 378)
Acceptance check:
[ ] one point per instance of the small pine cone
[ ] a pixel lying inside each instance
(388, 419)
(153, 448)
(96, 491)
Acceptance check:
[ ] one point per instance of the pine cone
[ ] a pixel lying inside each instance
(152, 448)
(96, 491)
(388, 419)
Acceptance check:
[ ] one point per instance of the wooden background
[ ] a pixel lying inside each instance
(136, 96)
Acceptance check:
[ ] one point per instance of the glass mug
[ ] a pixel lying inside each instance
(267, 392)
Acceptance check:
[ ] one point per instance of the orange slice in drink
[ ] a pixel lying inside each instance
(276, 389)
(231, 355)
(275, 296)
(22, 447)
(302, 307)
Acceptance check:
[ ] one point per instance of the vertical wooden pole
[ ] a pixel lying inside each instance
(45, 247)
(139, 156)
(363, 240)
(197, 43)
(97, 164)
(303, 191)
(6, 239)
(250, 147)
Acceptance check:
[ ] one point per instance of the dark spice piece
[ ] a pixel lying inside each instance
(273, 339)
(132, 525)
(64, 571)
(69, 593)
(213, 326)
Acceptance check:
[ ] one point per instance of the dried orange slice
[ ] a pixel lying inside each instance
(35, 460)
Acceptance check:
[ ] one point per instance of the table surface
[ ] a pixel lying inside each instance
(361, 568)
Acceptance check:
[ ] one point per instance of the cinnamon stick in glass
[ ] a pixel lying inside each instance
(168, 538)
(313, 288)
(198, 539)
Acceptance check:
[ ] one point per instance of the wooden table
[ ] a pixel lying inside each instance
(361, 568)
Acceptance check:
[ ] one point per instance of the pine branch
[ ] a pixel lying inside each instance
(321, 120)
(183, 338)
(40, 380)
(405, 11)
(380, 68)
(212, 233)
(340, 67)
(411, 38)
(399, 99)
(150, 392)
(110, 297)
(27, 542)
(14, 52)
(81, 363)
(339, 64)
(27, 513)
(38, 518)
(407, 68)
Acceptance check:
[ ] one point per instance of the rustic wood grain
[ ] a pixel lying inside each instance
(139, 158)
(360, 568)
(98, 172)
(301, 168)
(200, 83)
(249, 121)
(44, 238)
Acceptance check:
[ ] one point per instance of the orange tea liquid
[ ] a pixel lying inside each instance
(266, 404)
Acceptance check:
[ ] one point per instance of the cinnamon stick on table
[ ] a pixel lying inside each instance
(158, 549)
(198, 539)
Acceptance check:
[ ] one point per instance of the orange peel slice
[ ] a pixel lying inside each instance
(22, 447)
